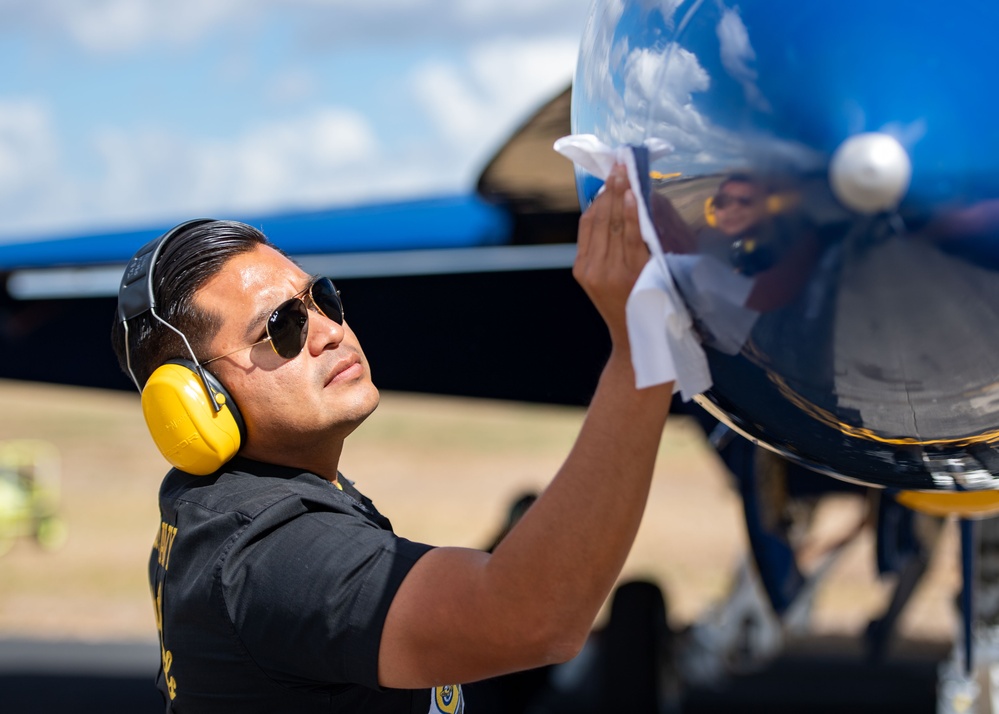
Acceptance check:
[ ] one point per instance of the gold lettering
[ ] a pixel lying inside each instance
(166, 656)
(160, 543)
(172, 534)
(163, 544)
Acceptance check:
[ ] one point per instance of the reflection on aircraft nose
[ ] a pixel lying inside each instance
(830, 226)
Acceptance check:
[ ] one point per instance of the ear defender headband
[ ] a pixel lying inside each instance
(191, 417)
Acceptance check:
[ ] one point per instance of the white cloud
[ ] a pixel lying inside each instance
(455, 20)
(660, 102)
(28, 150)
(634, 86)
(33, 186)
(492, 64)
(292, 85)
(301, 161)
(123, 26)
(328, 157)
(521, 11)
(662, 85)
(631, 94)
(105, 27)
(737, 54)
(476, 106)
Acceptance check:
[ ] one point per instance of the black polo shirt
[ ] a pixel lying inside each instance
(271, 588)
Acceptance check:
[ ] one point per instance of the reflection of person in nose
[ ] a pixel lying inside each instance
(753, 256)
(739, 205)
(776, 254)
(736, 216)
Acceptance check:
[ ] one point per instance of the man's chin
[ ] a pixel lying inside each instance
(362, 408)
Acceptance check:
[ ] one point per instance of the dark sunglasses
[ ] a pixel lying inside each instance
(288, 326)
(724, 200)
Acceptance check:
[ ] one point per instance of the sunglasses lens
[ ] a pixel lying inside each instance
(288, 327)
(723, 201)
(325, 296)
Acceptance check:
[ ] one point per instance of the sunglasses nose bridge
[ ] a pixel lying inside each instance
(323, 331)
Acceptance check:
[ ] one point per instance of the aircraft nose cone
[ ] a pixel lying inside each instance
(830, 212)
(869, 173)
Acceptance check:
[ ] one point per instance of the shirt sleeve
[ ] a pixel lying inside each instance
(308, 597)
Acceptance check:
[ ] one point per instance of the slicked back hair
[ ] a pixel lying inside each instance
(188, 260)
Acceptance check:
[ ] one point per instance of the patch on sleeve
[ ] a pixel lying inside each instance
(447, 700)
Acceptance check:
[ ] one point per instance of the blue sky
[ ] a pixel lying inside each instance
(128, 113)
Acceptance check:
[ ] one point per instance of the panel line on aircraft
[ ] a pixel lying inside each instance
(102, 281)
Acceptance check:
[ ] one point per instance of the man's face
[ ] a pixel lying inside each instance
(299, 406)
(738, 206)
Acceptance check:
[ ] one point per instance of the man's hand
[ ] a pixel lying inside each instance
(611, 253)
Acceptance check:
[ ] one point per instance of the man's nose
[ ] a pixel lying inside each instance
(323, 332)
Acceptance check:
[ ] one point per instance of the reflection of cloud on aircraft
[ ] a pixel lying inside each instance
(666, 8)
(908, 134)
(737, 54)
(608, 51)
(655, 88)
(665, 82)
(660, 84)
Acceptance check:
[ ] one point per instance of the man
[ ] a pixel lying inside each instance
(775, 249)
(278, 586)
(738, 204)
(733, 236)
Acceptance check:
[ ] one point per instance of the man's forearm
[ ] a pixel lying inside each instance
(576, 537)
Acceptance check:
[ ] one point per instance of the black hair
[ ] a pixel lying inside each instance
(739, 177)
(188, 260)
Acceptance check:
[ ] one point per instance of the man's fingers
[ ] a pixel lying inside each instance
(632, 241)
(602, 209)
(618, 189)
(627, 248)
(584, 235)
(607, 231)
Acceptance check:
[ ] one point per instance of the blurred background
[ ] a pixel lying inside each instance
(119, 113)
(76, 620)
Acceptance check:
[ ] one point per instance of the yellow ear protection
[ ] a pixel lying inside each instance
(190, 432)
(709, 212)
(191, 417)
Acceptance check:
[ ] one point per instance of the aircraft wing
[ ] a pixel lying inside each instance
(467, 295)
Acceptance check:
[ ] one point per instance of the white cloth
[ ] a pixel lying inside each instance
(664, 346)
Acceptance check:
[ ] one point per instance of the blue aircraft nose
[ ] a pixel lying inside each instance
(830, 212)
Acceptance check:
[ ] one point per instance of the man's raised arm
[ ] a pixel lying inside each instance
(462, 615)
